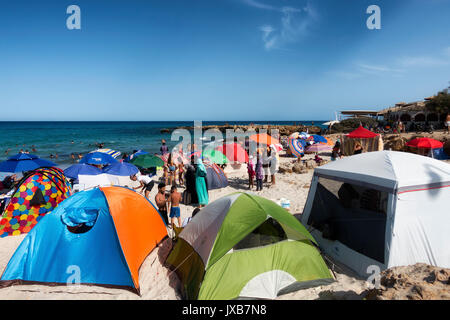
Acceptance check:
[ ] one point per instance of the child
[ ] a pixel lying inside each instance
(180, 174)
(259, 172)
(318, 159)
(161, 202)
(174, 203)
(251, 172)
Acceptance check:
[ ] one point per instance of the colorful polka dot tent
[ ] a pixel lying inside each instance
(38, 193)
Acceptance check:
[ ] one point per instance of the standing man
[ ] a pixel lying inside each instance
(161, 202)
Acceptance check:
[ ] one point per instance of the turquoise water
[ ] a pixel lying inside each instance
(64, 138)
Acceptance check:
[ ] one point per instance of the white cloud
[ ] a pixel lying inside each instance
(377, 69)
(423, 61)
(294, 26)
(442, 59)
(259, 5)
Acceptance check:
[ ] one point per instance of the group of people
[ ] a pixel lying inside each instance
(266, 165)
(192, 176)
(336, 152)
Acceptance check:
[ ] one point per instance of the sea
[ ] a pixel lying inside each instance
(64, 138)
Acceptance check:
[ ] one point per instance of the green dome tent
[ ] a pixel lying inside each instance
(245, 246)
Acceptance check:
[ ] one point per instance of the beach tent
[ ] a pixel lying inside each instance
(104, 233)
(215, 177)
(37, 193)
(246, 246)
(370, 141)
(384, 208)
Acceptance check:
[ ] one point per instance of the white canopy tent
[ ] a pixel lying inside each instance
(383, 208)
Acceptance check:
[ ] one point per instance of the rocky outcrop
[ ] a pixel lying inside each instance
(351, 124)
(395, 143)
(282, 129)
(416, 282)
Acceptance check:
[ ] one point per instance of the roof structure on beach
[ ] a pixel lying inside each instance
(393, 170)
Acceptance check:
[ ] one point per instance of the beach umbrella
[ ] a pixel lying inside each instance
(112, 153)
(121, 169)
(98, 158)
(425, 143)
(24, 162)
(294, 135)
(81, 168)
(147, 161)
(264, 138)
(317, 138)
(296, 147)
(318, 148)
(330, 123)
(304, 135)
(135, 154)
(177, 158)
(234, 152)
(215, 156)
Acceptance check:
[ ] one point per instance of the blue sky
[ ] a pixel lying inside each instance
(218, 59)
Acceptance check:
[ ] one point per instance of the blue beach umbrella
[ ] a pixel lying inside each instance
(136, 154)
(121, 169)
(81, 168)
(318, 138)
(98, 158)
(24, 162)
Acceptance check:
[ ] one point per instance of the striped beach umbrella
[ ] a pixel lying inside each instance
(111, 152)
(318, 147)
(296, 147)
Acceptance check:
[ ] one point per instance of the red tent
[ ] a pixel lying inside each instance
(427, 143)
(234, 152)
(363, 133)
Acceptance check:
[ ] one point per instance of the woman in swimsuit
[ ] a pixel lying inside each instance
(172, 169)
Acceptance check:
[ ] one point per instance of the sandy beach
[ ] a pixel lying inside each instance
(157, 282)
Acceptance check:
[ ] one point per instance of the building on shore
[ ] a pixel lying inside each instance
(360, 113)
(413, 112)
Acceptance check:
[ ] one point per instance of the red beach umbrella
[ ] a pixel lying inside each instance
(425, 143)
(234, 152)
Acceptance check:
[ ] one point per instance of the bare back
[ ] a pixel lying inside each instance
(175, 199)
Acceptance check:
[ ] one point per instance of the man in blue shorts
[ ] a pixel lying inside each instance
(174, 203)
